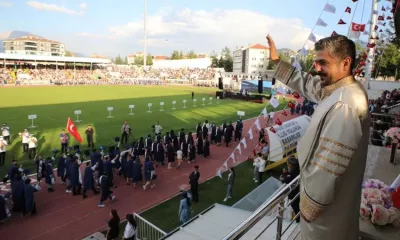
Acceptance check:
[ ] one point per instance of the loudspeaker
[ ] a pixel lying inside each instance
(260, 86)
(220, 83)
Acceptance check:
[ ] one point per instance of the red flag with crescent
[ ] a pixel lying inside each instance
(73, 130)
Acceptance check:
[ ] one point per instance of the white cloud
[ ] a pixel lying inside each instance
(53, 8)
(217, 28)
(202, 31)
(6, 4)
(83, 5)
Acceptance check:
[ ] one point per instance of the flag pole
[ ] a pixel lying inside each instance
(371, 40)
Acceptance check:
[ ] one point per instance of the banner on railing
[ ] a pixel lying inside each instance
(287, 136)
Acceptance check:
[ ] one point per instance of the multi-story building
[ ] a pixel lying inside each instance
(32, 45)
(131, 57)
(251, 60)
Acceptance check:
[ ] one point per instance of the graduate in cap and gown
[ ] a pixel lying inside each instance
(141, 146)
(108, 169)
(61, 168)
(30, 205)
(218, 136)
(68, 172)
(76, 177)
(182, 136)
(49, 175)
(213, 132)
(105, 190)
(206, 147)
(40, 167)
(137, 174)
(18, 194)
(88, 180)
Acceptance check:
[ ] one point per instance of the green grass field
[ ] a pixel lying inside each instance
(53, 106)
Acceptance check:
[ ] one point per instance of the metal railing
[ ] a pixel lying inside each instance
(146, 230)
(276, 202)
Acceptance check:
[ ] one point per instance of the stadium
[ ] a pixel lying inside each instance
(191, 146)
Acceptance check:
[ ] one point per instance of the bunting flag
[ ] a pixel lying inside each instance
(321, 23)
(239, 149)
(219, 173)
(348, 10)
(291, 105)
(330, 8)
(251, 134)
(279, 122)
(244, 143)
(281, 90)
(334, 33)
(312, 38)
(264, 112)
(284, 113)
(226, 165)
(303, 51)
(272, 129)
(341, 22)
(258, 124)
(274, 102)
(232, 156)
(296, 95)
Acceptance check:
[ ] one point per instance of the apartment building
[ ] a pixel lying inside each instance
(251, 60)
(32, 45)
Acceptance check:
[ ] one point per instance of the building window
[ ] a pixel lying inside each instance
(253, 58)
(261, 59)
(261, 66)
(262, 52)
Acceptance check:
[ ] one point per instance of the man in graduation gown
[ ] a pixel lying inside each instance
(333, 151)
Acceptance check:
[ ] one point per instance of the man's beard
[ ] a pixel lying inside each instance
(325, 79)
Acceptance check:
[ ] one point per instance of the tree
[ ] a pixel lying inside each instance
(227, 59)
(191, 54)
(388, 63)
(69, 54)
(119, 60)
(149, 60)
(175, 55)
(181, 55)
(138, 61)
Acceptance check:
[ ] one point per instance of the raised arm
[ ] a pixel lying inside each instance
(332, 154)
(303, 83)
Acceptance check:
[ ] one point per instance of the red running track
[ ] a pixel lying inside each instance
(62, 216)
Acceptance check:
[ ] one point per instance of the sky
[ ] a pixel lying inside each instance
(112, 27)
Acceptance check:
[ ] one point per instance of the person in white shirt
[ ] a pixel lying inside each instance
(3, 145)
(179, 157)
(130, 228)
(32, 146)
(125, 132)
(25, 140)
(157, 129)
(5, 132)
(259, 164)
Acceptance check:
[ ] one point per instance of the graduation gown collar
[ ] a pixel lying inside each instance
(328, 90)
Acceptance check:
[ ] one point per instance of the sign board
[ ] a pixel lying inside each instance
(131, 106)
(33, 116)
(184, 101)
(173, 102)
(150, 104)
(204, 99)
(110, 108)
(162, 103)
(287, 136)
(240, 113)
(218, 97)
(195, 100)
(77, 112)
(211, 98)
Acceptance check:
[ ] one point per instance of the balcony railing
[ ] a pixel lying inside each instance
(277, 201)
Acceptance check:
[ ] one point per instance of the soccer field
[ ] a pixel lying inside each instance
(54, 104)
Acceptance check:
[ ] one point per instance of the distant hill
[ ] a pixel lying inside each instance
(283, 50)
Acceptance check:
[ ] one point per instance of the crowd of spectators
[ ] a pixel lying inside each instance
(381, 116)
(103, 74)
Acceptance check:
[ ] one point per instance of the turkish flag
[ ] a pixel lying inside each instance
(279, 122)
(334, 33)
(272, 129)
(355, 27)
(376, 27)
(388, 18)
(381, 18)
(291, 105)
(296, 95)
(383, 9)
(73, 130)
(284, 113)
(348, 10)
(371, 45)
(341, 22)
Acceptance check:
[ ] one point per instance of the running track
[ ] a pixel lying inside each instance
(62, 216)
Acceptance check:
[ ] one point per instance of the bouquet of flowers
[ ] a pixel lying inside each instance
(377, 204)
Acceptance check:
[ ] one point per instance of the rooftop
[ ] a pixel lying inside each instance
(32, 38)
(20, 57)
(258, 46)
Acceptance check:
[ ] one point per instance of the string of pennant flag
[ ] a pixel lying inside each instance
(274, 102)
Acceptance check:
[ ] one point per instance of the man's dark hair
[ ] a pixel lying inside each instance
(339, 47)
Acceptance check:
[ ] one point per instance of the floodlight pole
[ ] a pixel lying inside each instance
(145, 37)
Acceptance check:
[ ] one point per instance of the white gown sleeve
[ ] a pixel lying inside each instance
(303, 83)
